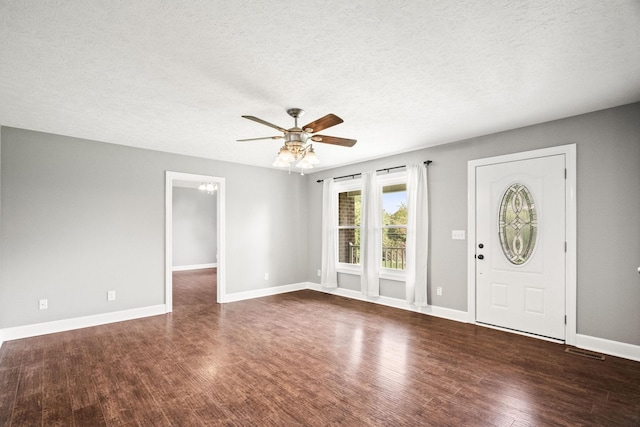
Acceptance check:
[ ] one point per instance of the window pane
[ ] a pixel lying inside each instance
(349, 208)
(394, 252)
(394, 239)
(349, 245)
(394, 204)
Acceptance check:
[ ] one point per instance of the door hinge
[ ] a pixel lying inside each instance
(565, 246)
(565, 319)
(565, 173)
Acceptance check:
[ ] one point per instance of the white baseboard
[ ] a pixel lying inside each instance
(600, 345)
(27, 331)
(431, 310)
(613, 348)
(586, 342)
(194, 267)
(258, 293)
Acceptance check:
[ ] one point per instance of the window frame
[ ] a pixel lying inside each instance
(344, 187)
(354, 185)
(393, 178)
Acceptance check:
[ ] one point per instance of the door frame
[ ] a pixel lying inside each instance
(220, 234)
(569, 151)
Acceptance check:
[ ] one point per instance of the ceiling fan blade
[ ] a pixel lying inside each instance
(322, 123)
(257, 139)
(345, 142)
(255, 119)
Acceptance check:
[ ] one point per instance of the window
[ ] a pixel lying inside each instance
(394, 226)
(349, 203)
(393, 188)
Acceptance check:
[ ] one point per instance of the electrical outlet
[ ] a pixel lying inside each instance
(320, 272)
(439, 291)
(111, 296)
(43, 304)
(266, 276)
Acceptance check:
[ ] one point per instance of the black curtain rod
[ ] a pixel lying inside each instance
(426, 162)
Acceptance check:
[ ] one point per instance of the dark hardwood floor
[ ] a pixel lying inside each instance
(305, 358)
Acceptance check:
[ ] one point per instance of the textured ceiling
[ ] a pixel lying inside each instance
(177, 76)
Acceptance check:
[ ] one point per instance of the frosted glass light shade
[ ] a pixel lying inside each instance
(285, 155)
(280, 163)
(311, 157)
(304, 164)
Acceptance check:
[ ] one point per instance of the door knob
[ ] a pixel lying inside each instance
(480, 256)
(481, 246)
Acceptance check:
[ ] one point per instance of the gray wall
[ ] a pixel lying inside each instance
(608, 168)
(80, 218)
(194, 227)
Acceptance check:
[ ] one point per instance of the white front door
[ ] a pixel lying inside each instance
(520, 245)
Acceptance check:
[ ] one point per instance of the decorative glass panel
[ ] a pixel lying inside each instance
(518, 224)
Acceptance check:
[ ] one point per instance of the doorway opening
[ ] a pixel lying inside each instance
(173, 178)
(477, 265)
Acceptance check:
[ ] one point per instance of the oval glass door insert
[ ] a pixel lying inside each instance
(517, 224)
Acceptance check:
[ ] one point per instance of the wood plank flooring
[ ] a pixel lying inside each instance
(305, 358)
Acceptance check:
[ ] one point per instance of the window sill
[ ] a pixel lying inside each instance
(387, 274)
(349, 269)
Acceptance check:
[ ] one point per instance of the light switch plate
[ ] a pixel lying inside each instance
(457, 234)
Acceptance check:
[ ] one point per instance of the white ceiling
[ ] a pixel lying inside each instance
(403, 74)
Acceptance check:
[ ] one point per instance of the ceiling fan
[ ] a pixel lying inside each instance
(297, 141)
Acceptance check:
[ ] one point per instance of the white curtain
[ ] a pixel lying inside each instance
(417, 234)
(370, 235)
(329, 276)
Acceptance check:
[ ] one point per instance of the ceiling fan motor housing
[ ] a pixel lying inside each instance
(295, 140)
(295, 112)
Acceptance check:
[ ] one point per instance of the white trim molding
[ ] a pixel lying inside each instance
(599, 345)
(612, 348)
(194, 266)
(265, 292)
(571, 294)
(432, 310)
(63, 325)
(220, 225)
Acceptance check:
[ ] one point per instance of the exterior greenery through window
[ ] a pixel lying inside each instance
(394, 224)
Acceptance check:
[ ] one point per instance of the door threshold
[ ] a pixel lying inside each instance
(526, 334)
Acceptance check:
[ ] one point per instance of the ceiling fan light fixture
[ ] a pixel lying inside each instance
(297, 140)
(280, 163)
(285, 155)
(304, 164)
(311, 156)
